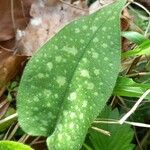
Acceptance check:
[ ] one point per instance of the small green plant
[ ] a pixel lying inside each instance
(125, 86)
(121, 136)
(67, 82)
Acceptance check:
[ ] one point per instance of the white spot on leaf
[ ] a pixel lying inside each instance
(36, 99)
(101, 83)
(71, 125)
(56, 95)
(85, 60)
(95, 93)
(108, 36)
(85, 73)
(90, 86)
(42, 129)
(95, 55)
(49, 65)
(72, 96)
(106, 58)
(95, 40)
(81, 41)
(96, 72)
(70, 50)
(104, 45)
(65, 113)
(72, 115)
(61, 80)
(104, 29)
(48, 104)
(40, 75)
(47, 92)
(58, 58)
(85, 27)
(77, 30)
(56, 47)
(35, 108)
(81, 116)
(93, 28)
(84, 104)
(60, 137)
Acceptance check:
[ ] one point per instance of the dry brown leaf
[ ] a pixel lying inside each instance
(14, 14)
(19, 10)
(10, 66)
(2, 90)
(47, 20)
(126, 20)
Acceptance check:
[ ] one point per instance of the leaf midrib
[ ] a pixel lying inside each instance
(75, 68)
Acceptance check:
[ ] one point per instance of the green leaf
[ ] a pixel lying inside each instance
(10, 145)
(134, 37)
(127, 87)
(68, 81)
(121, 135)
(143, 49)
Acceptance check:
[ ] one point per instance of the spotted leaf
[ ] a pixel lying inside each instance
(67, 82)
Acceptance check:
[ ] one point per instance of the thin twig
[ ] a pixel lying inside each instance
(5, 48)
(8, 131)
(144, 139)
(24, 138)
(102, 131)
(13, 132)
(133, 64)
(23, 10)
(122, 120)
(145, 9)
(137, 124)
(128, 3)
(8, 118)
(113, 100)
(138, 74)
(12, 14)
(39, 142)
(135, 133)
(34, 141)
